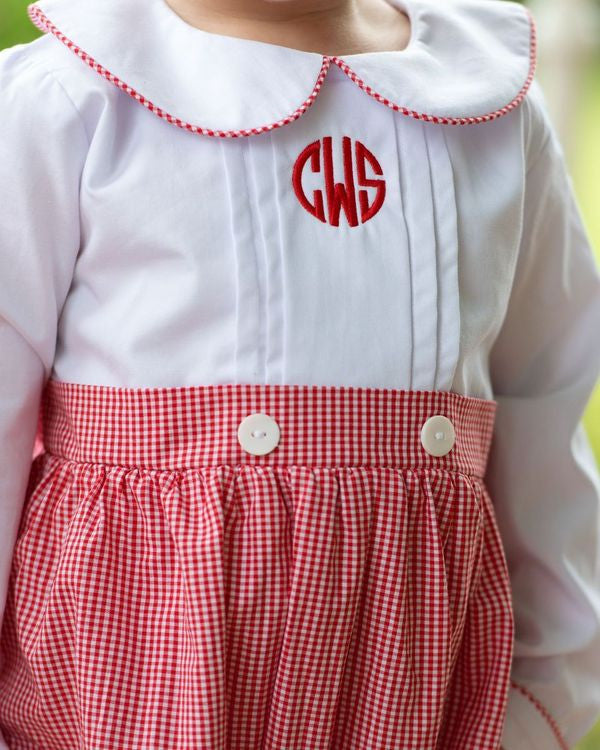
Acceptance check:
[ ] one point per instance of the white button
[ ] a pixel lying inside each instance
(258, 434)
(437, 435)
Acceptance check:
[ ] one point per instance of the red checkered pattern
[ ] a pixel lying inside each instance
(40, 20)
(346, 591)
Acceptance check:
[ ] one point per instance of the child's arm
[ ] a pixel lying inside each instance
(42, 149)
(542, 475)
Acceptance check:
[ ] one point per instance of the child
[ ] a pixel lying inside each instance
(303, 301)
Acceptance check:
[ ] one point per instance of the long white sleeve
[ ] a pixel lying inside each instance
(542, 474)
(42, 150)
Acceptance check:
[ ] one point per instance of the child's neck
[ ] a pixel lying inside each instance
(332, 27)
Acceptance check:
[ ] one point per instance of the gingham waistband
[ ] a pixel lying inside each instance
(186, 427)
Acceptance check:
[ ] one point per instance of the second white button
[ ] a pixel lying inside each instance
(437, 435)
(258, 433)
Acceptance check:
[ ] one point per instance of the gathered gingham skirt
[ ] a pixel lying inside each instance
(170, 589)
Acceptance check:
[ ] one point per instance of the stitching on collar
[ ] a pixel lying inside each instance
(475, 120)
(42, 22)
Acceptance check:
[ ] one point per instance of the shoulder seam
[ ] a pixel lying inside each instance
(529, 145)
(52, 73)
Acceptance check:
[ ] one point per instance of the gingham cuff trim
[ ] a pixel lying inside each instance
(529, 725)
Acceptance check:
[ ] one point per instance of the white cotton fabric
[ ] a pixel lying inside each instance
(180, 67)
(136, 253)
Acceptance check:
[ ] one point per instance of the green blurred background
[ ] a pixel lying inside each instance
(569, 71)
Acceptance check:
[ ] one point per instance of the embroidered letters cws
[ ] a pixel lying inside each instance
(339, 194)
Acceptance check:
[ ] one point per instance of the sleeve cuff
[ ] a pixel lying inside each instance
(529, 725)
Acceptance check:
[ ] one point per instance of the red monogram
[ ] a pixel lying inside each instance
(340, 194)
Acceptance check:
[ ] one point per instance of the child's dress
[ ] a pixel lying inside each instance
(312, 337)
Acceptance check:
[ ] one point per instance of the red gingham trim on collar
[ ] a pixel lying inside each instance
(455, 120)
(40, 20)
(545, 713)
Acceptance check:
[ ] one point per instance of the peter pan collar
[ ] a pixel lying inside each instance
(467, 62)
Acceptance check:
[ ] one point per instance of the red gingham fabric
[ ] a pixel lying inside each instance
(346, 591)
